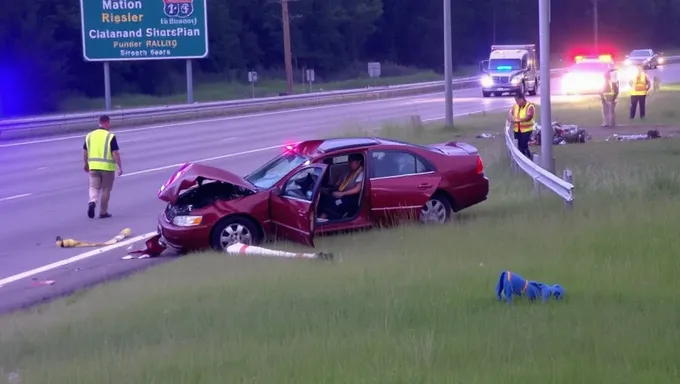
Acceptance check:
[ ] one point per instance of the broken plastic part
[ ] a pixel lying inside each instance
(153, 248)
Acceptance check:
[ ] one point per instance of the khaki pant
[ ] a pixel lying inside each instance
(101, 183)
(609, 113)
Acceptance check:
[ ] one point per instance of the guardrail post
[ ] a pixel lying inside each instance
(568, 176)
(537, 185)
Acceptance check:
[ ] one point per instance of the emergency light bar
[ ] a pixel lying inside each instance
(601, 58)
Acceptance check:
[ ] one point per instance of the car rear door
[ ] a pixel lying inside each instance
(401, 183)
(293, 204)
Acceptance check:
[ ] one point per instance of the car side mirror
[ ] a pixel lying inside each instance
(484, 66)
(277, 191)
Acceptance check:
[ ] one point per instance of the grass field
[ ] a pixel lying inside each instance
(216, 91)
(409, 304)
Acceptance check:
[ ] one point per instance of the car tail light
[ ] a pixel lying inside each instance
(480, 165)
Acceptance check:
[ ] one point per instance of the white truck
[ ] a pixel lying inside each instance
(510, 69)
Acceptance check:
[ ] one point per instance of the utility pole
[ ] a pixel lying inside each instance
(596, 23)
(286, 46)
(448, 65)
(546, 115)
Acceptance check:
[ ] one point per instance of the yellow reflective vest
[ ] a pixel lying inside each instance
(639, 85)
(521, 113)
(99, 156)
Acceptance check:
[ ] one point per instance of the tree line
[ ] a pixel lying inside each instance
(41, 60)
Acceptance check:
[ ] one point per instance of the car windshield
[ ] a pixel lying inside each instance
(590, 67)
(505, 64)
(273, 171)
(640, 53)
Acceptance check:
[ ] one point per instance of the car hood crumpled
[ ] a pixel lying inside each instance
(190, 174)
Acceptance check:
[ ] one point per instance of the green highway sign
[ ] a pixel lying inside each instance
(128, 30)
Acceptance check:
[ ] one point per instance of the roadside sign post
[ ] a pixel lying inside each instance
(309, 75)
(131, 30)
(107, 85)
(252, 79)
(374, 70)
(548, 161)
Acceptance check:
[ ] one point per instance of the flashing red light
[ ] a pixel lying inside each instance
(605, 58)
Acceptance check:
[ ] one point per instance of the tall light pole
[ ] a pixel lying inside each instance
(546, 115)
(596, 23)
(286, 46)
(448, 65)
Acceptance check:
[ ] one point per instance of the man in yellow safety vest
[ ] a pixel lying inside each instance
(638, 95)
(608, 96)
(521, 116)
(100, 155)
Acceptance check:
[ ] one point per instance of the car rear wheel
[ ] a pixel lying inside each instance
(436, 211)
(230, 231)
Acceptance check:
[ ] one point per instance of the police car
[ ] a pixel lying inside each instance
(587, 75)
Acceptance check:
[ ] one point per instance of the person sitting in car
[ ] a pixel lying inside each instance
(343, 199)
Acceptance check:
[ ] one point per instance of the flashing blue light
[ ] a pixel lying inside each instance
(503, 67)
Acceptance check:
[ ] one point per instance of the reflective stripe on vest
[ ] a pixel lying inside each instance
(99, 156)
(639, 85)
(519, 114)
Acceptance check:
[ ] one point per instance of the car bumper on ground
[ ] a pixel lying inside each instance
(182, 239)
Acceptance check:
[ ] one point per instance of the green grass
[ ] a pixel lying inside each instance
(409, 304)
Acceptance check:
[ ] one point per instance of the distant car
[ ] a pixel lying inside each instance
(645, 57)
(209, 207)
(587, 75)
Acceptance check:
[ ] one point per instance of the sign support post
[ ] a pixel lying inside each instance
(190, 82)
(107, 86)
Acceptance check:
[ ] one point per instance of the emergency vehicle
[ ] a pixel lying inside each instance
(510, 69)
(587, 75)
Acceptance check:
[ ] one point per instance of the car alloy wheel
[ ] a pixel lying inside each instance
(235, 233)
(435, 211)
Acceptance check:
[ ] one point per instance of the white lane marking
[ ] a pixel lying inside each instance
(229, 139)
(202, 160)
(467, 113)
(15, 197)
(71, 260)
(218, 119)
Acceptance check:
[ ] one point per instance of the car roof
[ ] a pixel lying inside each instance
(343, 143)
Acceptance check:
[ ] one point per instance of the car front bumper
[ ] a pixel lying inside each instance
(182, 239)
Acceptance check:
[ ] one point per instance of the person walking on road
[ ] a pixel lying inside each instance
(608, 96)
(100, 155)
(521, 116)
(638, 95)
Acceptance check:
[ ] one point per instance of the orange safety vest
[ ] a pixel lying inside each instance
(519, 114)
(639, 85)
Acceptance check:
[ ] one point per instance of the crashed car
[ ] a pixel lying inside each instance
(211, 208)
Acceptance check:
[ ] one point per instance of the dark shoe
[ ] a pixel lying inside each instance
(104, 215)
(90, 210)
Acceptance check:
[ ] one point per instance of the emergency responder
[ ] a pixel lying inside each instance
(639, 87)
(608, 96)
(521, 116)
(100, 155)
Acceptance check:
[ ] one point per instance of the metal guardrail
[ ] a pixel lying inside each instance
(562, 187)
(148, 115)
(199, 110)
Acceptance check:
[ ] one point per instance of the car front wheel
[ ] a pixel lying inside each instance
(436, 211)
(230, 231)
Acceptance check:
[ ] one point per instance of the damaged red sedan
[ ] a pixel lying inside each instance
(316, 187)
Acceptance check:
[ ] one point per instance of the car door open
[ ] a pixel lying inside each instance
(293, 204)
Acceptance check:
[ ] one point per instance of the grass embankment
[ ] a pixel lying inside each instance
(409, 304)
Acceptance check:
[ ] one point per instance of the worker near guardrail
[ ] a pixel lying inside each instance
(521, 116)
(639, 86)
(100, 155)
(609, 94)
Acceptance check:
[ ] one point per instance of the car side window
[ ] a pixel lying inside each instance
(301, 185)
(396, 163)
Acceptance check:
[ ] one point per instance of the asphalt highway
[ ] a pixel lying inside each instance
(44, 188)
